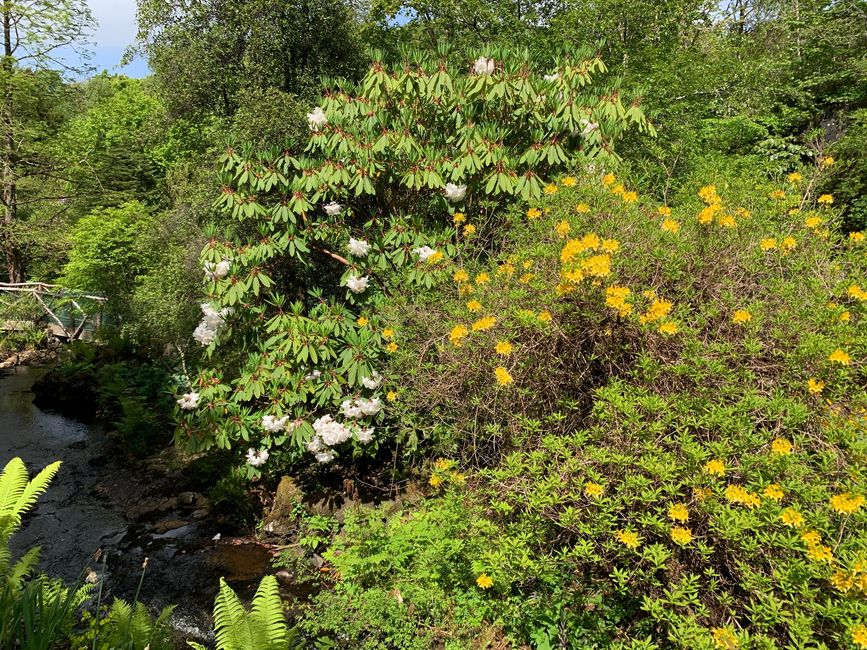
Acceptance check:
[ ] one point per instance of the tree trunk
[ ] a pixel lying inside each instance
(14, 258)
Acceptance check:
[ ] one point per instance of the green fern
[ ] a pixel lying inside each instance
(18, 495)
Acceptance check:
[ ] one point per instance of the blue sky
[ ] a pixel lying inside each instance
(115, 31)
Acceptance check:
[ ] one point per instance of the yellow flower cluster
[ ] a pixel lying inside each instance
(739, 494)
(616, 298)
(852, 581)
(725, 639)
(741, 316)
(502, 376)
(658, 310)
(680, 535)
(855, 291)
(629, 538)
(817, 551)
(847, 503)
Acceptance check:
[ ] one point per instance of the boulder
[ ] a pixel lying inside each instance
(281, 519)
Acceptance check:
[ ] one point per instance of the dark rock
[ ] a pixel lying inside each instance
(166, 525)
(187, 498)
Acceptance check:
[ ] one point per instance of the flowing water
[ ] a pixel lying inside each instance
(87, 508)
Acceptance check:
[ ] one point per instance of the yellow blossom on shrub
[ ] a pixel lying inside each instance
(792, 518)
(741, 316)
(678, 512)
(469, 230)
(608, 179)
(774, 492)
(795, 177)
(846, 316)
(485, 581)
(664, 211)
(681, 536)
(551, 188)
(474, 306)
(840, 356)
(827, 161)
(545, 316)
(768, 244)
(669, 328)
(618, 189)
(707, 214)
(709, 195)
(615, 297)
(855, 291)
(820, 553)
(593, 490)
(743, 213)
(846, 503)
(525, 279)
(391, 396)
(506, 269)
(504, 348)
(856, 236)
(777, 195)
(582, 208)
(461, 276)
(629, 538)
(458, 334)
(859, 636)
(788, 243)
(597, 266)
(658, 310)
(701, 493)
(435, 257)
(391, 348)
(610, 245)
(502, 376)
(725, 639)
(781, 447)
(813, 222)
(630, 197)
(388, 333)
(738, 494)
(569, 181)
(715, 467)
(534, 213)
(484, 323)
(671, 225)
(825, 199)
(728, 221)
(458, 218)
(562, 228)
(435, 481)
(362, 321)
(482, 278)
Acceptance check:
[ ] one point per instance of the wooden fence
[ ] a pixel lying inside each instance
(66, 313)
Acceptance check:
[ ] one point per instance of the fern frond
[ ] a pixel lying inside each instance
(267, 613)
(17, 495)
(23, 568)
(231, 621)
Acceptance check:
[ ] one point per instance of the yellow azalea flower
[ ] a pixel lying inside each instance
(485, 581)
(469, 230)
(569, 181)
(435, 481)
(739, 494)
(458, 334)
(743, 213)
(391, 396)
(707, 214)
(458, 218)
(781, 447)
(680, 535)
(792, 518)
(466, 289)
(841, 357)
(461, 276)
(724, 639)
(825, 199)
(435, 257)
(527, 264)
(388, 333)
(664, 211)
(855, 291)
(773, 492)
(482, 278)
(483, 324)
(504, 348)
(715, 467)
(608, 179)
(709, 195)
(391, 348)
(551, 188)
(502, 376)
(629, 538)
(859, 636)
(562, 228)
(813, 222)
(598, 266)
(534, 213)
(525, 279)
(669, 328)
(582, 208)
(658, 310)
(842, 581)
(856, 236)
(846, 503)
(443, 464)
(827, 161)
(795, 177)
(678, 512)
(768, 244)
(630, 197)
(670, 225)
(811, 537)
(728, 221)
(846, 316)
(474, 306)
(593, 490)
(820, 553)
(615, 297)
(545, 316)
(618, 189)
(741, 316)
(789, 243)
(701, 493)
(362, 321)
(777, 195)
(610, 245)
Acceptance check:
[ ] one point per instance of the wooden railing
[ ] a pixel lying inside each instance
(62, 306)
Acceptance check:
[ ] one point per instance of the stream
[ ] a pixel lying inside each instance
(97, 502)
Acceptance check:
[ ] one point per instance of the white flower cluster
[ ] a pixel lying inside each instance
(257, 458)
(455, 193)
(272, 424)
(333, 209)
(373, 382)
(329, 432)
(360, 407)
(358, 247)
(217, 270)
(189, 401)
(483, 66)
(552, 77)
(317, 119)
(212, 321)
(588, 127)
(357, 284)
(424, 253)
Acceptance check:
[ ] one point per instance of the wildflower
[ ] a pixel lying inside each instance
(827, 161)
(483, 324)
(725, 639)
(357, 284)
(629, 538)
(257, 458)
(781, 447)
(669, 328)
(458, 334)
(777, 195)
(741, 316)
(502, 376)
(846, 503)
(738, 494)
(812, 222)
(715, 467)
(469, 230)
(484, 581)
(391, 348)
(610, 245)
(680, 535)
(664, 211)
(795, 177)
(562, 228)
(788, 243)
(550, 188)
(774, 492)
(316, 120)
(593, 490)
(461, 276)
(391, 396)
(658, 310)
(582, 208)
(857, 292)
(474, 306)
(597, 266)
(362, 321)
(504, 348)
(618, 189)
(728, 221)
(709, 195)
(217, 270)
(707, 214)
(435, 481)
(569, 181)
(841, 581)
(545, 316)
(189, 401)
(424, 253)
(825, 199)
(678, 512)
(455, 193)
(768, 244)
(482, 278)
(856, 236)
(859, 632)
(792, 518)
(608, 179)
(388, 333)
(630, 197)
(534, 213)
(841, 357)
(820, 553)
(458, 218)
(670, 225)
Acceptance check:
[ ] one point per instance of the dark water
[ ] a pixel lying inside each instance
(75, 518)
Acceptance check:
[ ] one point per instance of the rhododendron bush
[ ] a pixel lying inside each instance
(312, 244)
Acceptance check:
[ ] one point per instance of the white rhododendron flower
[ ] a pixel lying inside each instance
(315, 445)
(424, 253)
(317, 118)
(455, 193)
(333, 209)
(357, 284)
(189, 401)
(483, 66)
(212, 320)
(364, 435)
(257, 458)
(325, 456)
(588, 127)
(217, 270)
(358, 247)
(316, 374)
(330, 431)
(274, 425)
(373, 381)
(552, 77)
